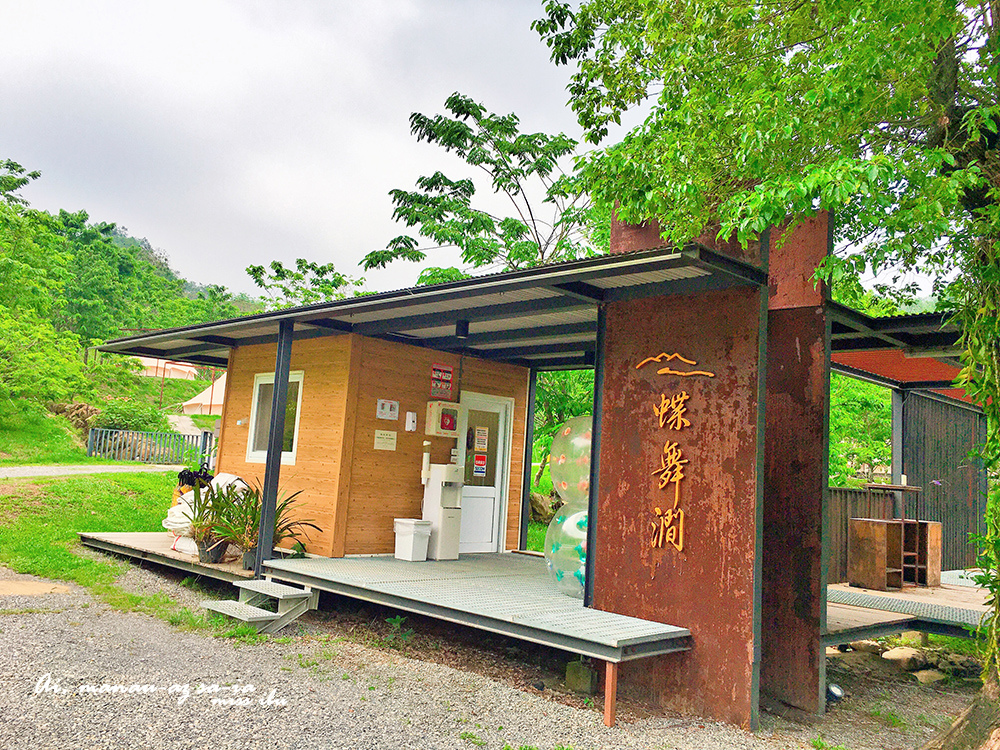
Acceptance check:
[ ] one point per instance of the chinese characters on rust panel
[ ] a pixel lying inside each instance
(670, 410)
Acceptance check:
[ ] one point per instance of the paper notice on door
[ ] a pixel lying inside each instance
(479, 465)
(482, 441)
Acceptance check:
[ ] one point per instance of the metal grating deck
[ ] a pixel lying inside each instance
(959, 578)
(927, 611)
(503, 593)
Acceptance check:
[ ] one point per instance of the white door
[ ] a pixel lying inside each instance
(484, 447)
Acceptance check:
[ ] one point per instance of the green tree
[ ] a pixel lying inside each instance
(885, 113)
(549, 216)
(37, 361)
(13, 177)
(559, 396)
(306, 284)
(860, 430)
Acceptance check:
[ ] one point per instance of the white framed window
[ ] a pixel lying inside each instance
(260, 417)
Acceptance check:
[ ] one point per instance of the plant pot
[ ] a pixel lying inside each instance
(249, 558)
(211, 551)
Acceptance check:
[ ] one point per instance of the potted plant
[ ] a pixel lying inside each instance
(284, 526)
(203, 516)
(238, 521)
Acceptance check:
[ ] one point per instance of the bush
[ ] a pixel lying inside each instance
(127, 414)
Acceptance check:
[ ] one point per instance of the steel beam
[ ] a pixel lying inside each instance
(595, 460)
(275, 441)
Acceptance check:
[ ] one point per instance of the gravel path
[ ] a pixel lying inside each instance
(17, 472)
(54, 649)
(320, 691)
(183, 424)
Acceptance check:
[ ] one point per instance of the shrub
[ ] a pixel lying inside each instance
(127, 414)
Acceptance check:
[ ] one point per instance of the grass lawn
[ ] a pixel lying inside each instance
(39, 521)
(536, 536)
(147, 390)
(205, 421)
(31, 435)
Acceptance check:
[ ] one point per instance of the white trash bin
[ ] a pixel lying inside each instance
(412, 536)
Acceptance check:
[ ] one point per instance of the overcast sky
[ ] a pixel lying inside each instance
(231, 133)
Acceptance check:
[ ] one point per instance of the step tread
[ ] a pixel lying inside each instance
(240, 611)
(273, 589)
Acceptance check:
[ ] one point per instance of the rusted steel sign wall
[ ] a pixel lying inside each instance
(677, 529)
(797, 408)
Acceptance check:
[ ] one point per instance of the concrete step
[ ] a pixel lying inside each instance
(240, 611)
(273, 589)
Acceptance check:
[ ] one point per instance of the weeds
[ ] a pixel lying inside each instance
(473, 738)
(820, 744)
(397, 636)
(888, 716)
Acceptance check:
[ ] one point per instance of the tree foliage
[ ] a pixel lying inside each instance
(549, 214)
(559, 396)
(66, 282)
(860, 431)
(885, 112)
(306, 284)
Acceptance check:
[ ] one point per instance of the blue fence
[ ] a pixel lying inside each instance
(150, 447)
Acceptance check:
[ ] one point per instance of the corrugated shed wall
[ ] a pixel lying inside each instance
(937, 440)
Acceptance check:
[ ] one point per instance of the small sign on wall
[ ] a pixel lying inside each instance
(387, 409)
(385, 440)
(442, 379)
(479, 465)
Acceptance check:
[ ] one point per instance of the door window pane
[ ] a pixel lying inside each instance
(484, 429)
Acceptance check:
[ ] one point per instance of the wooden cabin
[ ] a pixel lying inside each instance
(359, 469)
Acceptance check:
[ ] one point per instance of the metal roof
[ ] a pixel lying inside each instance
(905, 352)
(544, 317)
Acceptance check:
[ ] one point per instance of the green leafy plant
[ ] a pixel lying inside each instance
(128, 414)
(203, 514)
(398, 636)
(988, 578)
(891, 718)
(820, 744)
(238, 516)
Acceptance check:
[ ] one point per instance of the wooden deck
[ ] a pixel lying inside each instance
(503, 593)
(155, 547)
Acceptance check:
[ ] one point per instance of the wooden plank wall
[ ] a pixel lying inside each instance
(846, 503)
(352, 491)
(386, 485)
(325, 362)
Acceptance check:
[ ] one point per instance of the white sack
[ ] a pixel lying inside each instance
(178, 520)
